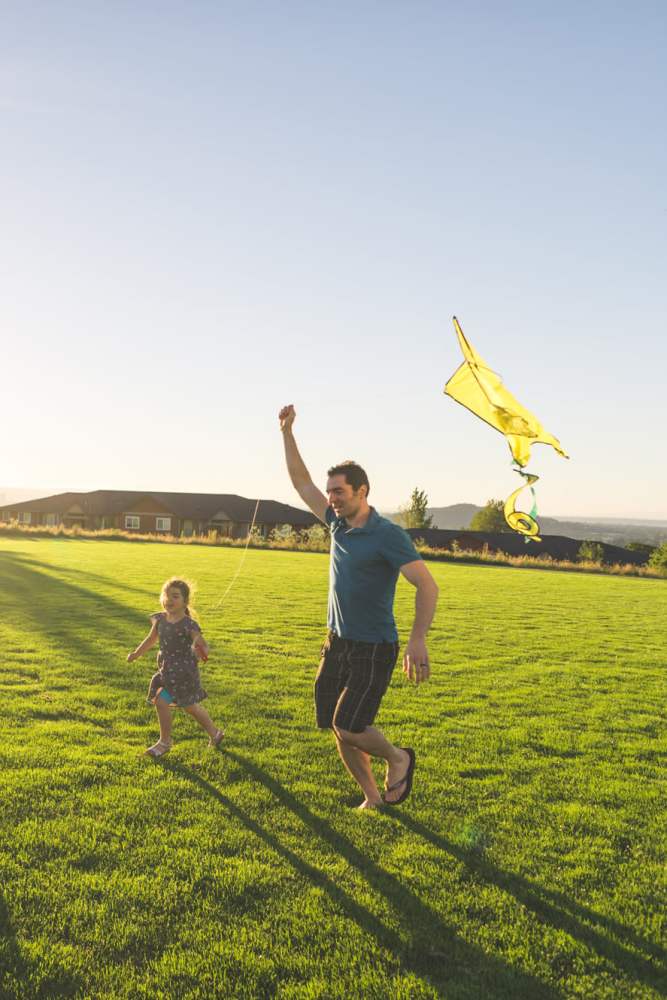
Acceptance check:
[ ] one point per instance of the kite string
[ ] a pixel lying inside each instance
(240, 565)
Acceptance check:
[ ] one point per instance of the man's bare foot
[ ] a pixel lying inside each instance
(370, 804)
(397, 775)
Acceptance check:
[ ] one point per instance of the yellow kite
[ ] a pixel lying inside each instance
(479, 389)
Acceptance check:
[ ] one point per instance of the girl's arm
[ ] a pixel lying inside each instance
(200, 646)
(149, 641)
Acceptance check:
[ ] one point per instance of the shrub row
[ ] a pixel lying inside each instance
(316, 539)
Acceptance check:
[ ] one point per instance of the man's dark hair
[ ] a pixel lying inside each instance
(354, 475)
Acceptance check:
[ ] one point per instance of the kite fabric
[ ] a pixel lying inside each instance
(480, 390)
(477, 387)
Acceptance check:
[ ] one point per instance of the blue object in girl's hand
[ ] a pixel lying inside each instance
(166, 696)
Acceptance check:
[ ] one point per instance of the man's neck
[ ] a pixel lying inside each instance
(360, 518)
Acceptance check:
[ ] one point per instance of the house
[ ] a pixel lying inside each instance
(155, 513)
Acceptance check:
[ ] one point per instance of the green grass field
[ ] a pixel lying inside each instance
(527, 863)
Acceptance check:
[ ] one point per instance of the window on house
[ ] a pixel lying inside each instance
(51, 520)
(132, 521)
(163, 524)
(25, 517)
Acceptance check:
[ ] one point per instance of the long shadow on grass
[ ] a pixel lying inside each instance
(556, 909)
(55, 571)
(462, 963)
(97, 578)
(16, 972)
(63, 612)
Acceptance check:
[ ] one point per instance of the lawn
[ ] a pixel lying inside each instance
(527, 864)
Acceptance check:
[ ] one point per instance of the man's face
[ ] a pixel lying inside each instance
(342, 497)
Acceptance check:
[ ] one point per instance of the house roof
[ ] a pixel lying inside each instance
(193, 506)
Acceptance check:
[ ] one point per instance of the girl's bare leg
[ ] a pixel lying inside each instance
(199, 713)
(164, 718)
(163, 745)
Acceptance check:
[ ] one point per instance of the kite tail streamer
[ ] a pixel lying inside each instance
(518, 520)
(240, 565)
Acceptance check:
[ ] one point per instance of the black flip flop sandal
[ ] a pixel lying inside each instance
(406, 780)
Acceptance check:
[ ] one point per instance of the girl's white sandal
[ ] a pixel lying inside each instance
(158, 749)
(216, 740)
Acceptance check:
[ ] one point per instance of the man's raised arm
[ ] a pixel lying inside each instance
(298, 473)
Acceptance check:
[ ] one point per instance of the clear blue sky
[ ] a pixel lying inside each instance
(210, 209)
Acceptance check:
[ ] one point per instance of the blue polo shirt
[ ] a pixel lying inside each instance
(363, 571)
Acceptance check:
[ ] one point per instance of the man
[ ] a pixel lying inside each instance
(367, 554)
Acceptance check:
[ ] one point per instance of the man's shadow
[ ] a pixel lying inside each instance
(426, 946)
(555, 908)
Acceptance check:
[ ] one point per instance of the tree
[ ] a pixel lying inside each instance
(591, 552)
(490, 518)
(658, 559)
(413, 514)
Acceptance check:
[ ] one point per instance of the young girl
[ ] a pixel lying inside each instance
(177, 681)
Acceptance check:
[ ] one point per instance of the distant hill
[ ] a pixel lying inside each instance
(613, 532)
(457, 515)
(651, 532)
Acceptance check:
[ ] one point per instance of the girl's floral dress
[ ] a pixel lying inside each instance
(178, 670)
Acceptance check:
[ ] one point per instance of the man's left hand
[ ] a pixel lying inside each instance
(415, 661)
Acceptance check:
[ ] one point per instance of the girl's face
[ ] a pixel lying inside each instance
(173, 601)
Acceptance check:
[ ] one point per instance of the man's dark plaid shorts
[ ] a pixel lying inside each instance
(351, 682)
